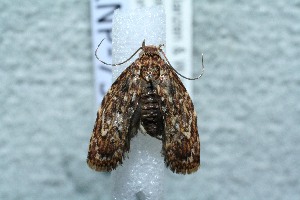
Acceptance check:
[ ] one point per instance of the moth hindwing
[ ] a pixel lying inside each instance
(148, 94)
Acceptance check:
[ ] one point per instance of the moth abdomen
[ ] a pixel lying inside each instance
(151, 115)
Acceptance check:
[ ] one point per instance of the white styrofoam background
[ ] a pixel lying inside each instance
(247, 102)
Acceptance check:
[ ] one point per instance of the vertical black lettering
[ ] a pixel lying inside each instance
(107, 33)
(105, 68)
(107, 17)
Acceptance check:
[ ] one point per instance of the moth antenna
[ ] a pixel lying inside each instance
(112, 63)
(143, 44)
(202, 72)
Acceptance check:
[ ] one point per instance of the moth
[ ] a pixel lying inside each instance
(147, 96)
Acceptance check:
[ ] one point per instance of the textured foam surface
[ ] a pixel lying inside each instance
(140, 176)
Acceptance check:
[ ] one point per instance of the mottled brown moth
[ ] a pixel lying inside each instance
(147, 96)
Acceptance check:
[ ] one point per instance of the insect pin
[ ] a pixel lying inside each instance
(147, 96)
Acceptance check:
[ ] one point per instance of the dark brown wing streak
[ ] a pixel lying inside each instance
(111, 134)
(181, 143)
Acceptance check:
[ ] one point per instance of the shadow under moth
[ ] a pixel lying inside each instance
(147, 96)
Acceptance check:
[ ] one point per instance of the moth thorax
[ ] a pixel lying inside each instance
(150, 72)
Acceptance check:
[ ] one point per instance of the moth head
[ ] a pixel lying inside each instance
(150, 50)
